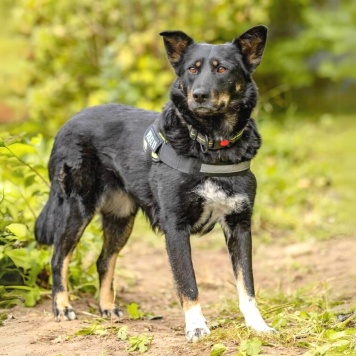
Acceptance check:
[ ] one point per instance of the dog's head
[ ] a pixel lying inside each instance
(215, 80)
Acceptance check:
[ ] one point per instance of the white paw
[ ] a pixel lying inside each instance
(255, 321)
(196, 329)
(195, 324)
(194, 335)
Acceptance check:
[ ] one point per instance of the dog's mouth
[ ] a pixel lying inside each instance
(207, 108)
(204, 110)
(213, 104)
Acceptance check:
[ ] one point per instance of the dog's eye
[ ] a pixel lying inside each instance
(193, 70)
(221, 69)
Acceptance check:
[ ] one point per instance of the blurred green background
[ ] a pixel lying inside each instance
(60, 56)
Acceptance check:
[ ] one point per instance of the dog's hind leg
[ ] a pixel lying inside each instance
(74, 219)
(237, 229)
(116, 233)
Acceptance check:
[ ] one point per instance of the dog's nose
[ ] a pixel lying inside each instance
(200, 95)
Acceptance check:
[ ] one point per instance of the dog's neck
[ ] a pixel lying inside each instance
(176, 130)
(218, 141)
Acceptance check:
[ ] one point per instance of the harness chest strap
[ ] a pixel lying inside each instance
(159, 150)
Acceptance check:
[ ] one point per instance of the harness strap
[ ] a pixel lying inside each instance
(159, 150)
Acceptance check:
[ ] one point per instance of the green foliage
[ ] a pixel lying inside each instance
(251, 347)
(133, 311)
(23, 186)
(324, 48)
(312, 327)
(94, 329)
(296, 197)
(122, 333)
(217, 350)
(84, 53)
(140, 343)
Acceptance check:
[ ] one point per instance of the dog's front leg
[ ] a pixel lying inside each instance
(238, 239)
(179, 252)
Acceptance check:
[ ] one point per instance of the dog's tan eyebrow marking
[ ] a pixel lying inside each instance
(198, 64)
(215, 63)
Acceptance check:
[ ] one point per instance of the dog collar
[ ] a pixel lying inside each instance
(207, 143)
(156, 146)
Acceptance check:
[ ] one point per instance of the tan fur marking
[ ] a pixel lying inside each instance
(224, 98)
(62, 300)
(107, 297)
(64, 272)
(190, 98)
(189, 304)
(119, 203)
(198, 64)
(215, 63)
(241, 288)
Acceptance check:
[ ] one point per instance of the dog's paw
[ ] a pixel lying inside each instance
(195, 324)
(194, 335)
(196, 329)
(112, 311)
(66, 313)
(61, 307)
(254, 319)
(264, 329)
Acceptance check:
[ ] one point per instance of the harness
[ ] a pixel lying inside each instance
(159, 150)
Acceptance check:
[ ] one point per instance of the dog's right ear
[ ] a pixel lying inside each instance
(176, 43)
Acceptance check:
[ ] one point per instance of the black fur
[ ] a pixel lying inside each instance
(97, 159)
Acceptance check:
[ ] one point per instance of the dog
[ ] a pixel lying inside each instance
(193, 172)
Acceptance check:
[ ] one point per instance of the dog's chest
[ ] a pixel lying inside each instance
(217, 203)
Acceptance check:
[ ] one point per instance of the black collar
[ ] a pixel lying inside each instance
(159, 150)
(207, 143)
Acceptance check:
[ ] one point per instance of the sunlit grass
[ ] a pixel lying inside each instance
(306, 323)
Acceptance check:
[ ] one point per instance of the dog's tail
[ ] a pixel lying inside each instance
(45, 225)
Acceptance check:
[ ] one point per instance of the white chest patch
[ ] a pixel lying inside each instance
(217, 205)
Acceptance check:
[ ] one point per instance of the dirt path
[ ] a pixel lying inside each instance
(147, 281)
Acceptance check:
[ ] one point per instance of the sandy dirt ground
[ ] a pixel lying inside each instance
(147, 281)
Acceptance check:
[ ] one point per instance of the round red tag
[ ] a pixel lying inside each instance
(224, 143)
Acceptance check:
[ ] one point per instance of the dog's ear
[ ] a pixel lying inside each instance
(251, 44)
(176, 43)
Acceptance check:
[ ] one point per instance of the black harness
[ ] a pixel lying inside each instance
(159, 150)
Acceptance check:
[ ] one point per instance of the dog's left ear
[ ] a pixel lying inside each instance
(176, 43)
(251, 44)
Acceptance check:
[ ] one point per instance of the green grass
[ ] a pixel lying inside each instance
(307, 323)
(338, 148)
(305, 179)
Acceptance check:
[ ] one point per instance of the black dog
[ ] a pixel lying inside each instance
(193, 174)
